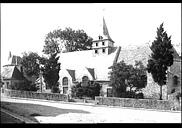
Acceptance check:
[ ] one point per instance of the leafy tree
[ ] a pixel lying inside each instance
(161, 57)
(70, 39)
(29, 64)
(25, 86)
(51, 70)
(125, 76)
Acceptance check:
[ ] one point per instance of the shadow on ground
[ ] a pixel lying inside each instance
(32, 110)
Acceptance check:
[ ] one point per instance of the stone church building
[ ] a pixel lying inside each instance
(94, 65)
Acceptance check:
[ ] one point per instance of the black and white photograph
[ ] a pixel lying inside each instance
(90, 63)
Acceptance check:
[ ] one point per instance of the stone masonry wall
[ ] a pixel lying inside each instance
(35, 95)
(137, 103)
(152, 90)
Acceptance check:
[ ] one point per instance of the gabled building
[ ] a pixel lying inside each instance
(11, 76)
(88, 65)
(152, 89)
(13, 73)
(94, 65)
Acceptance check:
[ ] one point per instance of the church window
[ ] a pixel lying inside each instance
(175, 80)
(103, 43)
(103, 50)
(65, 81)
(96, 44)
(96, 51)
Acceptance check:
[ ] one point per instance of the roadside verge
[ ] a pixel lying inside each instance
(21, 118)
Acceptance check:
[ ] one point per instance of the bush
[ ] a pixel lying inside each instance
(25, 86)
(132, 94)
(92, 90)
(139, 96)
(55, 89)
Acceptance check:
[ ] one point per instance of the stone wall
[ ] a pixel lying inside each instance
(35, 95)
(136, 103)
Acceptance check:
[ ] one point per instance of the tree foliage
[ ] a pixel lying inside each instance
(50, 69)
(29, 64)
(92, 90)
(161, 57)
(71, 40)
(125, 76)
(25, 86)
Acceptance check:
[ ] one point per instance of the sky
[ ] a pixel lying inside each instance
(24, 26)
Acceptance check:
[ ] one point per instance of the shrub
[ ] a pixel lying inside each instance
(92, 90)
(139, 96)
(55, 89)
(25, 86)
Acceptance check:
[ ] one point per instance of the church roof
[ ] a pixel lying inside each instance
(81, 60)
(140, 53)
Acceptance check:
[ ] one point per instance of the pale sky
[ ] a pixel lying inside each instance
(24, 26)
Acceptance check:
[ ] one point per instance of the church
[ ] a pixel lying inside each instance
(94, 65)
(89, 65)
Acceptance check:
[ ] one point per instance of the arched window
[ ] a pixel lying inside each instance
(65, 81)
(175, 80)
(85, 81)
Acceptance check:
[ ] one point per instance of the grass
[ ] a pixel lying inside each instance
(31, 110)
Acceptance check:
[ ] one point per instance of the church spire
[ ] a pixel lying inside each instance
(105, 30)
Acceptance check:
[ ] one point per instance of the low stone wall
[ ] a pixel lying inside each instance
(35, 95)
(136, 103)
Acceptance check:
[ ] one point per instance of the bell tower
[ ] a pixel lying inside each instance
(104, 44)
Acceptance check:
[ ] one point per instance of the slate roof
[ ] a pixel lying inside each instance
(140, 53)
(11, 72)
(81, 60)
(176, 67)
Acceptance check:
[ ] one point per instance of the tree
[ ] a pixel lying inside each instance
(29, 64)
(51, 70)
(69, 39)
(25, 86)
(125, 76)
(161, 57)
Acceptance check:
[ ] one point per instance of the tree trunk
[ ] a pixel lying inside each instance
(160, 92)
